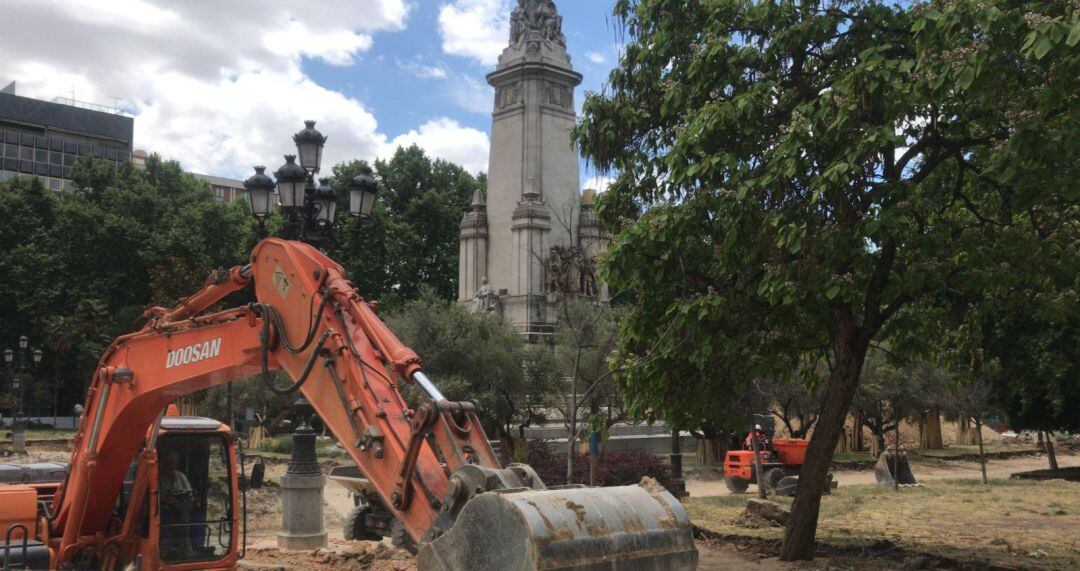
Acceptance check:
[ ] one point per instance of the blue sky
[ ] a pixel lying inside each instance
(221, 86)
(389, 78)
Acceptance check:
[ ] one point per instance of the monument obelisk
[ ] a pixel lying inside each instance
(533, 204)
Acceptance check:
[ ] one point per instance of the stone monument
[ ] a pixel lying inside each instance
(533, 236)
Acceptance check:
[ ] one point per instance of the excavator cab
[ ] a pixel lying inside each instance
(191, 522)
(195, 495)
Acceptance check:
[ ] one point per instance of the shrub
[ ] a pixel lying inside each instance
(615, 468)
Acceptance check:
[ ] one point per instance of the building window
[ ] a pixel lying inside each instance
(67, 185)
(55, 158)
(26, 154)
(54, 184)
(11, 151)
(41, 156)
(69, 160)
(6, 176)
(219, 194)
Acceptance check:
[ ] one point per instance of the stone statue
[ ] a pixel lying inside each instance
(588, 277)
(483, 299)
(518, 23)
(536, 20)
(556, 271)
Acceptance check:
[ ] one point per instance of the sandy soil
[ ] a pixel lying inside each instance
(924, 469)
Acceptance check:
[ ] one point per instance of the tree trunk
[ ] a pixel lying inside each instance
(965, 434)
(877, 444)
(710, 452)
(896, 458)
(982, 453)
(813, 477)
(1050, 453)
(857, 433)
(930, 431)
(844, 446)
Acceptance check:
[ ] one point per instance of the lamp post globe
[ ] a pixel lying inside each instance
(363, 190)
(24, 342)
(260, 190)
(309, 144)
(324, 204)
(38, 355)
(9, 356)
(292, 182)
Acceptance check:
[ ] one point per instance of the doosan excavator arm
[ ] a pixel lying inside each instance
(432, 465)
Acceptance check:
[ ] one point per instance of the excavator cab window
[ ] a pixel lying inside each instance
(195, 497)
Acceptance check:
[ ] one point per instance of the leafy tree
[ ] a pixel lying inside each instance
(411, 241)
(790, 176)
(478, 357)
(78, 271)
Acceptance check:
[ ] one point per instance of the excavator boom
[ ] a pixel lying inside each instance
(431, 464)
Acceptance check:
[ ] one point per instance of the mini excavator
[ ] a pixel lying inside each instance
(440, 487)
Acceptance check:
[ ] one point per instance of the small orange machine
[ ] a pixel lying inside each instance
(780, 459)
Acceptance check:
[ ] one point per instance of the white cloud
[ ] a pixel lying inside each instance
(599, 183)
(417, 67)
(447, 139)
(213, 84)
(466, 91)
(596, 57)
(472, 95)
(477, 29)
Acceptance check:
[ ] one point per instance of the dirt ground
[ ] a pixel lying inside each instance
(924, 470)
(264, 519)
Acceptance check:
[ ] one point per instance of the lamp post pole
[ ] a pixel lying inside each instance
(18, 424)
(310, 212)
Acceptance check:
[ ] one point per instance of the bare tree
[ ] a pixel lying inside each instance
(971, 400)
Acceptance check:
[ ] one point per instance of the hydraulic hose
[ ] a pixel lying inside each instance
(271, 315)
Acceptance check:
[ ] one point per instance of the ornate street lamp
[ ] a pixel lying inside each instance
(311, 209)
(310, 143)
(324, 204)
(292, 183)
(18, 423)
(363, 190)
(260, 190)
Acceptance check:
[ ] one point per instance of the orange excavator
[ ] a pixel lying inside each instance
(145, 490)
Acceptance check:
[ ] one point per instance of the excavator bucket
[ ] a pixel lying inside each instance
(628, 528)
(892, 467)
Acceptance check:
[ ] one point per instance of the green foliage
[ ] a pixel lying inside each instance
(478, 357)
(77, 271)
(411, 241)
(789, 176)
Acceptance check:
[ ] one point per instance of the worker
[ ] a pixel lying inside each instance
(177, 505)
(749, 444)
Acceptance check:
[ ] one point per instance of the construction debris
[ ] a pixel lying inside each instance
(892, 467)
(763, 513)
